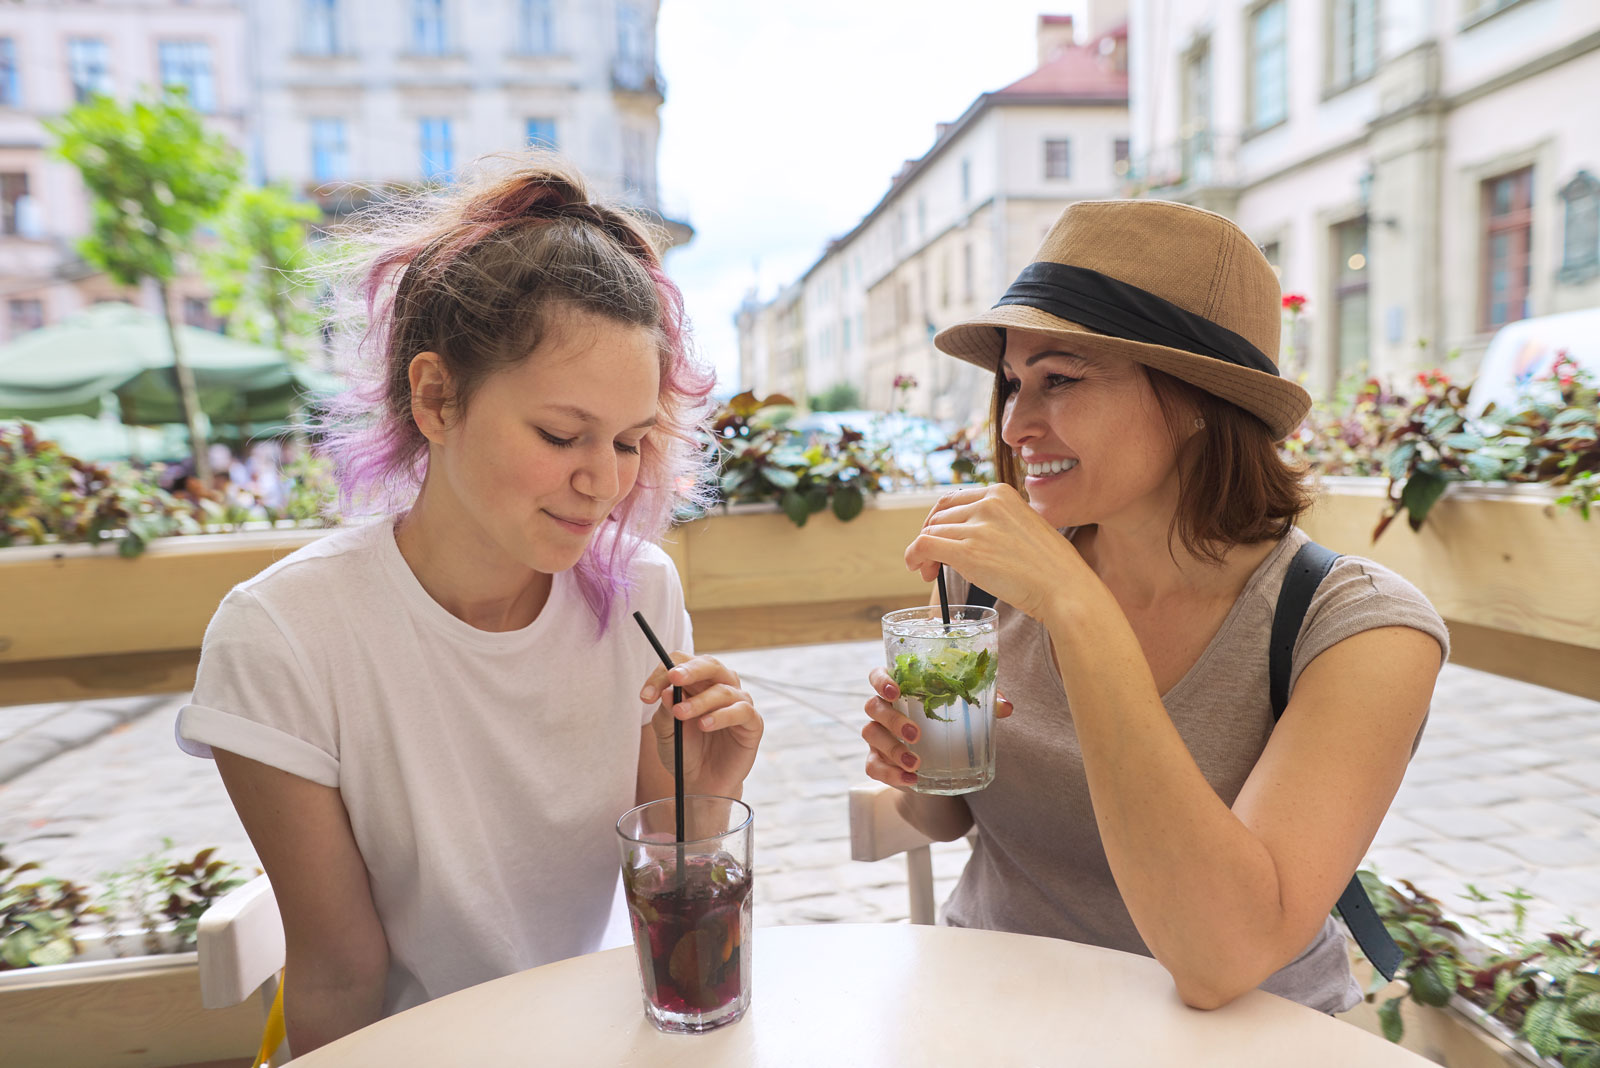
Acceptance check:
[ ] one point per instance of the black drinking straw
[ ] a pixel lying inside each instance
(677, 733)
(944, 598)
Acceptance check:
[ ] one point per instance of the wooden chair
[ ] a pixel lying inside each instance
(878, 832)
(240, 940)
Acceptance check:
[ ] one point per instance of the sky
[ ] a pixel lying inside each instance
(784, 122)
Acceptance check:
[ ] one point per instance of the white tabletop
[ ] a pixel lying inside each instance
(868, 995)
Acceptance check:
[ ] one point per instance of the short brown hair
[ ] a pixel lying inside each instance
(1234, 486)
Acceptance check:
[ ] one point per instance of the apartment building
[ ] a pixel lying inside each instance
(1424, 172)
(958, 223)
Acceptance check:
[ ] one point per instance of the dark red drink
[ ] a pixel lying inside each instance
(693, 938)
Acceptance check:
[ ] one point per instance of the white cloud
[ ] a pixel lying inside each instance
(783, 124)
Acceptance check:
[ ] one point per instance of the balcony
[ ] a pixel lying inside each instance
(1200, 169)
(638, 75)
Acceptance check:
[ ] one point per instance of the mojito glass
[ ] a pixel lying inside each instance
(946, 673)
(689, 906)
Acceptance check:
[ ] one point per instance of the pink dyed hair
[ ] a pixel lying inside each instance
(471, 273)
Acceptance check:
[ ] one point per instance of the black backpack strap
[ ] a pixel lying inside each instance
(980, 597)
(1306, 572)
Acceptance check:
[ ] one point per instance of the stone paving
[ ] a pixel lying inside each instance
(1504, 794)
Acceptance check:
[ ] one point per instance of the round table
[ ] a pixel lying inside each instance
(869, 995)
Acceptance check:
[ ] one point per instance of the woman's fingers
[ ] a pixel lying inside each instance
(889, 747)
(883, 684)
(710, 699)
(1002, 707)
(889, 774)
(691, 674)
(892, 719)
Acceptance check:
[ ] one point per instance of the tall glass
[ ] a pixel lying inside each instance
(946, 675)
(689, 904)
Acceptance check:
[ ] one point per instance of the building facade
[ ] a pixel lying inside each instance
(352, 97)
(1424, 172)
(957, 224)
(53, 54)
(336, 97)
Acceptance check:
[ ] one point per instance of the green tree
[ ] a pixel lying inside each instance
(257, 268)
(155, 174)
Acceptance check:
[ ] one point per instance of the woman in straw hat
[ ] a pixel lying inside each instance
(1136, 539)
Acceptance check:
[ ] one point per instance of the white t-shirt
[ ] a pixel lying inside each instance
(483, 772)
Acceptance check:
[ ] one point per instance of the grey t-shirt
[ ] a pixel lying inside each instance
(1038, 867)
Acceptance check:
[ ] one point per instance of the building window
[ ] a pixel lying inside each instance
(1274, 256)
(10, 81)
(1058, 158)
(535, 27)
(186, 65)
(967, 274)
(438, 150)
(1352, 41)
(1269, 65)
(319, 29)
(848, 341)
(1195, 136)
(427, 27)
(1120, 157)
(922, 218)
(197, 313)
(1580, 245)
(89, 62)
(25, 315)
(541, 133)
(638, 173)
(966, 180)
(13, 203)
(1350, 299)
(1507, 234)
(330, 151)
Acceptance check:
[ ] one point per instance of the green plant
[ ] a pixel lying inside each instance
(1423, 444)
(971, 461)
(37, 918)
(839, 397)
(155, 173)
(1547, 989)
(761, 458)
(155, 891)
(45, 493)
(257, 267)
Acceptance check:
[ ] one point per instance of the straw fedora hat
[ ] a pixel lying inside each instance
(1174, 287)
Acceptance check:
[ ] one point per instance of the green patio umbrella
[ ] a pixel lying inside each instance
(115, 348)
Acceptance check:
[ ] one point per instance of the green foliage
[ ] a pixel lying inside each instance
(839, 397)
(972, 461)
(1546, 988)
(155, 892)
(763, 459)
(45, 493)
(257, 269)
(154, 174)
(37, 917)
(48, 495)
(940, 679)
(1422, 445)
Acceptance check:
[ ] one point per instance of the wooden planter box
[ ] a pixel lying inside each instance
(1513, 574)
(79, 621)
(129, 1012)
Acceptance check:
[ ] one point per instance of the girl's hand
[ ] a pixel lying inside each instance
(991, 536)
(890, 733)
(721, 725)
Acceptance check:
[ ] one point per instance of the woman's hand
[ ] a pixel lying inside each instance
(890, 733)
(721, 725)
(991, 536)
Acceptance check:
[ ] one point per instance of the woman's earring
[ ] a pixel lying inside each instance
(1199, 422)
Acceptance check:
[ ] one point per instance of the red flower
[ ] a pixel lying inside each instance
(1293, 302)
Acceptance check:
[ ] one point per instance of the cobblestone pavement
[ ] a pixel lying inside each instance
(1504, 794)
